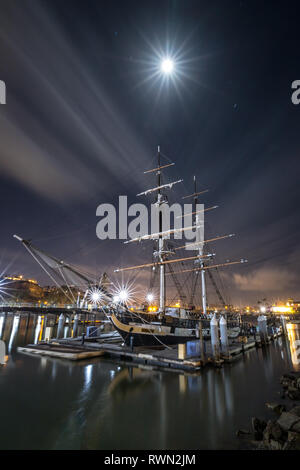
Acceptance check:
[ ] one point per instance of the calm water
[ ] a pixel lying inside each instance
(49, 403)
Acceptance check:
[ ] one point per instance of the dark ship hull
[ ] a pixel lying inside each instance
(136, 332)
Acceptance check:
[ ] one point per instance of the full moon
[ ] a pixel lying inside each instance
(167, 66)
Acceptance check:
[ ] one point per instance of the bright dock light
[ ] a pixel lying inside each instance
(150, 297)
(123, 295)
(95, 295)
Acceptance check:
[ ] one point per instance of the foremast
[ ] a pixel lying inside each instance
(200, 251)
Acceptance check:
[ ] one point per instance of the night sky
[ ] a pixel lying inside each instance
(84, 116)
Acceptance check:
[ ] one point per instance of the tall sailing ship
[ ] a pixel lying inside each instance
(168, 325)
(165, 328)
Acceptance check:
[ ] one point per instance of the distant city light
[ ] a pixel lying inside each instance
(282, 309)
(152, 309)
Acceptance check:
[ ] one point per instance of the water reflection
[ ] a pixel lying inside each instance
(183, 383)
(228, 391)
(87, 378)
(44, 362)
(100, 404)
(130, 380)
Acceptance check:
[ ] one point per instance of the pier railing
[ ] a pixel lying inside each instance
(35, 304)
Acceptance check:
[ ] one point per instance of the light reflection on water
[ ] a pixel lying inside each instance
(293, 330)
(100, 404)
(87, 378)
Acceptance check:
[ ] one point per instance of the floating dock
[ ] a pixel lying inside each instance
(63, 351)
(168, 358)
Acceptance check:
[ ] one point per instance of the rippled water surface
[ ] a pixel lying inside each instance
(49, 403)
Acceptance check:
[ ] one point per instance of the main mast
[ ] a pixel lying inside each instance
(161, 252)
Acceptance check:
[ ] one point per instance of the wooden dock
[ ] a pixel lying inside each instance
(168, 358)
(63, 351)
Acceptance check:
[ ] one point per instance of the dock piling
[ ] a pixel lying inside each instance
(60, 328)
(214, 334)
(202, 346)
(224, 336)
(75, 325)
(283, 322)
(2, 352)
(263, 330)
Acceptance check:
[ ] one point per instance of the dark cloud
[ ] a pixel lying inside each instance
(82, 123)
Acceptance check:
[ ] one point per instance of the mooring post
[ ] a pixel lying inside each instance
(214, 335)
(61, 322)
(262, 327)
(27, 322)
(44, 326)
(254, 333)
(182, 351)
(201, 342)
(2, 352)
(224, 335)
(75, 325)
(283, 322)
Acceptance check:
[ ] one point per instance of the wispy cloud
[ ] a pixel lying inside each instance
(266, 280)
(61, 130)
